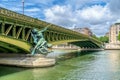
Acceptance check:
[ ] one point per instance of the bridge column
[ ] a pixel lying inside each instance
(3, 28)
(47, 36)
(23, 33)
(31, 39)
(14, 31)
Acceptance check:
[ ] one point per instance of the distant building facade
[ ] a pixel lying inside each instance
(114, 43)
(85, 31)
(107, 34)
(114, 32)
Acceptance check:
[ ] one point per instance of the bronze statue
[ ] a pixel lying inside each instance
(41, 45)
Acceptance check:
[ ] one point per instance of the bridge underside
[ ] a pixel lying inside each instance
(8, 45)
(12, 45)
(85, 44)
(7, 48)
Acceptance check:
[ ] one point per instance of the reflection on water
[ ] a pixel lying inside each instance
(103, 65)
(114, 60)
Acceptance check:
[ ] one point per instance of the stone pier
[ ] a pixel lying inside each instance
(26, 60)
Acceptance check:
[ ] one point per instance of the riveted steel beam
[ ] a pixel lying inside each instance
(18, 33)
(31, 39)
(23, 33)
(14, 31)
(3, 28)
(28, 35)
(8, 30)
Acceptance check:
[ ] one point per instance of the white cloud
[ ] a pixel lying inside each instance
(40, 1)
(84, 3)
(61, 15)
(98, 15)
(95, 17)
(32, 10)
(84, 13)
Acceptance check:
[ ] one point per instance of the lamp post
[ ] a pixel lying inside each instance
(23, 6)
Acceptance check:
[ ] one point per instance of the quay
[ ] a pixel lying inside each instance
(26, 60)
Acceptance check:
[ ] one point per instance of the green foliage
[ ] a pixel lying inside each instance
(119, 36)
(104, 39)
(94, 36)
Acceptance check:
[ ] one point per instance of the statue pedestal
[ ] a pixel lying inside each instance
(37, 60)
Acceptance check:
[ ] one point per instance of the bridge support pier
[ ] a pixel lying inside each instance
(37, 60)
(3, 28)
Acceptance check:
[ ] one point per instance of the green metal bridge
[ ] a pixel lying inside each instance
(15, 33)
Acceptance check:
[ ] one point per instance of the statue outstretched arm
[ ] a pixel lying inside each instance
(44, 29)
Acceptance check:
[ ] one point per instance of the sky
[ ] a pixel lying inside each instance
(98, 15)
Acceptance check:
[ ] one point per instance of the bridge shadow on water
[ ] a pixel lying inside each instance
(6, 70)
(73, 55)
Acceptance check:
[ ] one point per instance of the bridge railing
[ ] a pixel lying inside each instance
(10, 13)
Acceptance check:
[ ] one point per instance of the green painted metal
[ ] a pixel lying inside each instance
(8, 30)
(18, 27)
(3, 28)
(8, 47)
(22, 45)
(14, 31)
(23, 33)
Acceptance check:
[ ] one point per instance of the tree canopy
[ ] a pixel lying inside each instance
(104, 39)
(119, 36)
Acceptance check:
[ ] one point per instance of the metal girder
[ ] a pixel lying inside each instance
(6, 47)
(14, 31)
(3, 28)
(95, 45)
(90, 45)
(8, 30)
(28, 34)
(85, 44)
(23, 34)
(18, 43)
(18, 33)
(3, 50)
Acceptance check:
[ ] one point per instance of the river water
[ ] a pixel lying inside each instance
(102, 65)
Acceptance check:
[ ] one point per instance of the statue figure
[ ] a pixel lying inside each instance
(41, 45)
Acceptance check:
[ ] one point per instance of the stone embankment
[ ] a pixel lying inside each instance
(23, 60)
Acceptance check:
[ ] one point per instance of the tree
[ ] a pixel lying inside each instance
(104, 39)
(94, 36)
(119, 36)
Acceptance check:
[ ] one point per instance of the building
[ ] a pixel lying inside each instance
(85, 31)
(114, 32)
(107, 34)
(114, 43)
